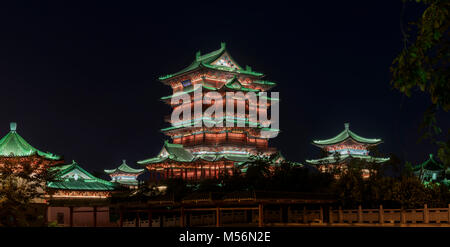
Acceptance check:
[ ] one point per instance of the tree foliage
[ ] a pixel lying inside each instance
(423, 63)
(21, 185)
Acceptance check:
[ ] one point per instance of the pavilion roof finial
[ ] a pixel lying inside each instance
(124, 161)
(223, 45)
(13, 126)
(347, 125)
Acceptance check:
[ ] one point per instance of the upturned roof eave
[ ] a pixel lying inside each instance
(321, 145)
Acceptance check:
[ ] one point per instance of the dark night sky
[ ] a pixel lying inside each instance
(81, 79)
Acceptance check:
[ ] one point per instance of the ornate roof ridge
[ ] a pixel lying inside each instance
(344, 135)
(124, 168)
(14, 145)
(206, 60)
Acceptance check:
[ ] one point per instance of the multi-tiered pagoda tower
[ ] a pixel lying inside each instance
(200, 150)
(342, 148)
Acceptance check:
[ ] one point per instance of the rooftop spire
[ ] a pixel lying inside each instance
(13, 126)
(347, 125)
(222, 45)
(124, 161)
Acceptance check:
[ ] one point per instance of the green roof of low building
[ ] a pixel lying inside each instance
(206, 60)
(13, 145)
(430, 164)
(170, 151)
(124, 168)
(74, 177)
(331, 159)
(344, 135)
(176, 152)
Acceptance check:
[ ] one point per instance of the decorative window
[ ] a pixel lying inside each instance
(225, 61)
(186, 83)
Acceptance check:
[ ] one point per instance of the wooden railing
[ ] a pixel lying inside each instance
(308, 217)
(423, 215)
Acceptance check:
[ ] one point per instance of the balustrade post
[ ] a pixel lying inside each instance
(304, 215)
(330, 215)
(402, 216)
(360, 218)
(260, 215)
(381, 215)
(321, 214)
(426, 217)
(341, 215)
(217, 217)
(448, 213)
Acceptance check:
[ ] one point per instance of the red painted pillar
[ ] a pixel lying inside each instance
(71, 216)
(95, 216)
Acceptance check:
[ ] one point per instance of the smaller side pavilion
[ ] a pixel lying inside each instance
(174, 161)
(15, 149)
(125, 175)
(431, 171)
(77, 198)
(342, 148)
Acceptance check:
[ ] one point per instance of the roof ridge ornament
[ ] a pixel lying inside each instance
(223, 45)
(13, 126)
(346, 125)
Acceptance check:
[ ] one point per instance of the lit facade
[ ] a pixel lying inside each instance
(198, 151)
(77, 198)
(342, 148)
(125, 175)
(431, 171)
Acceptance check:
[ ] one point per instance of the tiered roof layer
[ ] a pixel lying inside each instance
(13, 145)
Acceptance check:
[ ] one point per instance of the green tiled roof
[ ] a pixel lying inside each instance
(171, 151)
(73, 177)
(176, 152)
(234, 84)
(124, 168)
(13, 145)
(331, 159)
(206, 60)
(344, 135)
(429, 164)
